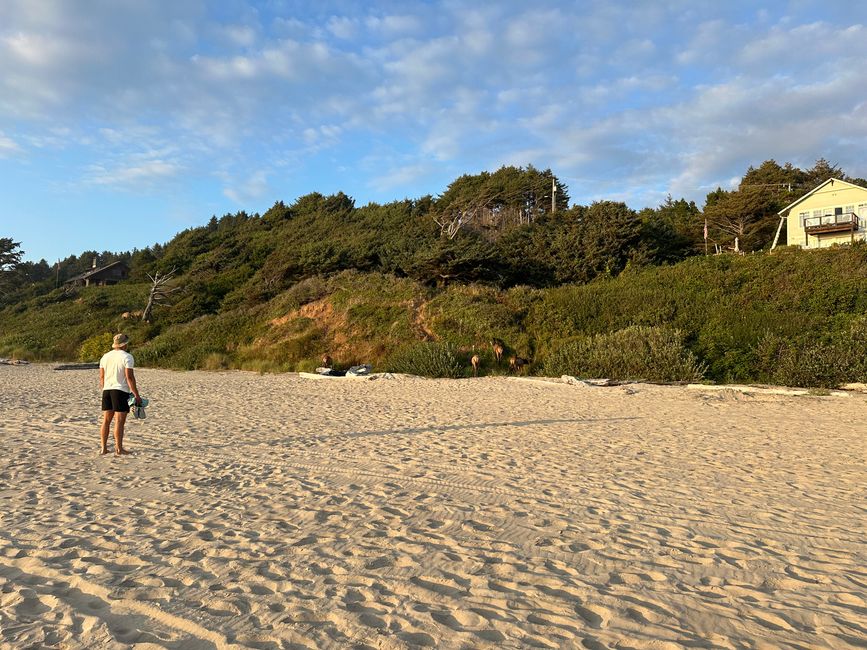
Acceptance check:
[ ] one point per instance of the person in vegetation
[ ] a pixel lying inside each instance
(117, 382)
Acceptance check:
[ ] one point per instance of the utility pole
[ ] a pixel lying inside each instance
(553, 196)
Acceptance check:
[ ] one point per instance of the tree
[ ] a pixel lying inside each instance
(820, 172)
(9, 257)
(597, 240)
(466, 258)
(775, 178)
(673, 231)
(748, 214)
(10, 260)
(490, 204)
(611, 234)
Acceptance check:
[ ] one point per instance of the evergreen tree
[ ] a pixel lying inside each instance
(10, 259)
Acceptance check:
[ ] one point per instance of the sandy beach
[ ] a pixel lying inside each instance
(272, 511)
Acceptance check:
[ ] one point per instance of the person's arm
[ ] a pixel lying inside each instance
(130, 379)
(101, 378)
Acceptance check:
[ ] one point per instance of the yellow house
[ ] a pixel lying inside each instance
(833, 213)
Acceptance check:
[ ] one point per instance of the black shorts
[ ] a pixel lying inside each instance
(115, 400)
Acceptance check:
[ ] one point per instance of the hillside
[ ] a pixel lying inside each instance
(794, 317)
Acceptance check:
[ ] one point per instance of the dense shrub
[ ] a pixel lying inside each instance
(93, 348)
(645, 353)
(427, 360)
(815, 363)
(300, 294)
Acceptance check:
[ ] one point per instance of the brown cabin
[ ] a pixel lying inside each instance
(109, 274)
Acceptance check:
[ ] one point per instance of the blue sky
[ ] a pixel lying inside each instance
(123, 122)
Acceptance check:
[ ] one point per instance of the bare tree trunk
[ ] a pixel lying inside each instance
(146, 314)
(159, 293)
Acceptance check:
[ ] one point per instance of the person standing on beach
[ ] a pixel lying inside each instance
(116, 381)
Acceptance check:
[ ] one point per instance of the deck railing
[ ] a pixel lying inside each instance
(848, 221)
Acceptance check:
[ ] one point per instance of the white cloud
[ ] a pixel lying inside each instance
(394, 25)
(401, 176)
(135, 176)
(231, 68)
(323, 136)
(342, 26)
(240, 35)
(8, 146)
(709, 38)
(253, 187)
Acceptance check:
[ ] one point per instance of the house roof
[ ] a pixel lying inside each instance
(816, 189)
(93, 272)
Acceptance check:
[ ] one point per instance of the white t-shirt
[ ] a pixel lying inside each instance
(115, 364)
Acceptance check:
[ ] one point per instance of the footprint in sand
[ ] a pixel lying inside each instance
(418, 639)
(456, 620)
(595, 615)
(439, 586)
(564, 593)
(490, 615)
(491, 636)
(225, 608)
(506, 587)
(550, 619)
(849, 600)
(637, 578)
(642, 616)
(580, 547)
(372, 620)
(772, 621)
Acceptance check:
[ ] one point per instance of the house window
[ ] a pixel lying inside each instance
(849, 209)
(802, 216)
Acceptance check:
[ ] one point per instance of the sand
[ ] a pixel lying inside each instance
(278, 512)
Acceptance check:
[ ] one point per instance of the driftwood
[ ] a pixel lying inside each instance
(77, 366)
(768, 390)
(575, 381)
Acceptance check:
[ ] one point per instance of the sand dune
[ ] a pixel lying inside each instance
(278, 512)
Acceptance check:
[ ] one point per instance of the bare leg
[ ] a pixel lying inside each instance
(103, 430)
(119, 421)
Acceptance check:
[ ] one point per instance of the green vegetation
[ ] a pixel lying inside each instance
(420, 285)
(94, 347)
(654, 354)
(427, 360)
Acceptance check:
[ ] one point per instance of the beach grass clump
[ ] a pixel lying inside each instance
(655, 354)
(427, 359)
(299, 294)
(820, 365)
(215, 361)
(824, 362)
(262, 366)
